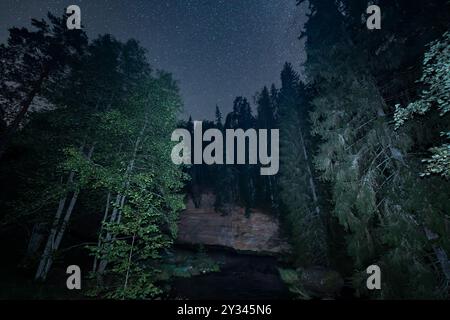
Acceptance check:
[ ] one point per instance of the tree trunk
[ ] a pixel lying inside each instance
(118, 207)
(130, 256)
(120, 199)
(51, 238)
(58, 229)
(105, 217)
(57, 242)
(312, 185)
(313, 191)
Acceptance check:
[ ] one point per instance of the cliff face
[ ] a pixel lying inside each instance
(258, 233)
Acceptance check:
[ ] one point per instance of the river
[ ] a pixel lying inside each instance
(241, 276)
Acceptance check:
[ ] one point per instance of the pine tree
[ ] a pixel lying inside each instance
(266, 185)
(218, 117)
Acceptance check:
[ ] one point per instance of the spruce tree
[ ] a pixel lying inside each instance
(364, 160)
(298, 191)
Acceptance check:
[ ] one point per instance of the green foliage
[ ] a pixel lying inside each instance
(366, 164)
(292, 279)
(145, 180)
(185, 264)
(107, 128)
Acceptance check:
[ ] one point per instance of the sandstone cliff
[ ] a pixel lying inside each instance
(256, 233)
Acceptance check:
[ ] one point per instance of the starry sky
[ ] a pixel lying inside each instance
(216, 49)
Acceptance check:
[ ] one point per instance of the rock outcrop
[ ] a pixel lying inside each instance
(256, 232)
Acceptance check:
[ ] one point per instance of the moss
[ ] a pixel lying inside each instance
(291, 278)
(185, 264)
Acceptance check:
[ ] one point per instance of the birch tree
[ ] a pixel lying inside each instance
(105, 78)
(143, 186)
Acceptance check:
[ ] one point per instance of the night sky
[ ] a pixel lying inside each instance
(216, 49)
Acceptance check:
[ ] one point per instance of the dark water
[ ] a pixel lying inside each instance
(241, 277)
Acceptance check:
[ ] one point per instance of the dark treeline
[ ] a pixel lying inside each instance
(240, 184)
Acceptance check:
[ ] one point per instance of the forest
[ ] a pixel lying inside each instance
(86, 175)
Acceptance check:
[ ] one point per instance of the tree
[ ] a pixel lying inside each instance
(266, 110)
(436, 96)
(218, 117)
(31, 61)
(96, 91)
(265, 119)
(142, 220)
(298, 191)
(364, 161)
(241, 118)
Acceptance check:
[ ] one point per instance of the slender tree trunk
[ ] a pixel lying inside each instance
(313, 190)
(312, 185)
(53, 231)
(129, 265)
(120, 199)
(62, 229)
(105, 216)
(118, 207)
(58, 229)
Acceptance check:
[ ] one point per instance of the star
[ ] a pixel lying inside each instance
(216, 50)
